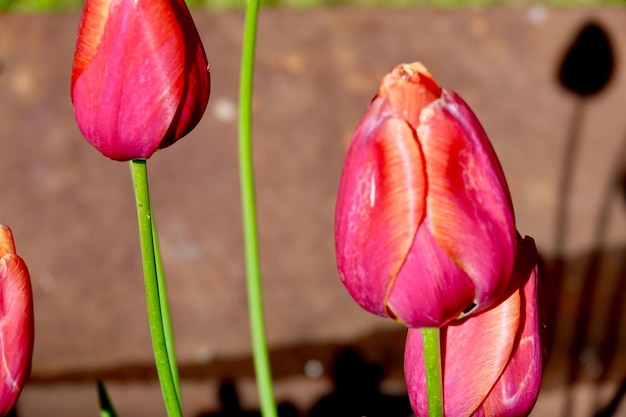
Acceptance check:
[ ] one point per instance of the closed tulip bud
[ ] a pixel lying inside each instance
(16, 322)
(492, 362)
(140, 79)
(424, 225)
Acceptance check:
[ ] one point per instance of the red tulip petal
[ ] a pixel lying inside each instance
(517, 389)
(16, 329)
(91, 29)
(430, 289)
(137, 79)
(474, 354)
(197, 88)
(468, 202)
(379, 206)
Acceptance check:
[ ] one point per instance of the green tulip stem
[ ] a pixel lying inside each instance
(432, 364)
(168, 327)
(246, 172)
(156, 294)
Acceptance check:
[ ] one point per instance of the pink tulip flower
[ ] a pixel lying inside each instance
(16, 322)
(491, 362)
(424, 225)
(140, 79)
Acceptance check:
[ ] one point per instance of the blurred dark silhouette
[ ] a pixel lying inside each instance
(612, 406)
(231, 407)
(586, 69)
(229, 403)
(588, 63)
(357, 391)
(287, 409)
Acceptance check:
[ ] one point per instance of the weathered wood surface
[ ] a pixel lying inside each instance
(72, 212)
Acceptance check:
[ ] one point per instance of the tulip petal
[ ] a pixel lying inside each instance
(91, 29)
(517, 389)
(408, 88)
(197, 86)
(474, 354)
(379, 206)
(138, 84)
(430, 290)
(468, 201)
(16, 329)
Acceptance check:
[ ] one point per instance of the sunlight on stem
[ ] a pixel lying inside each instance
(158, 314)
(432, 363)
(255, 299)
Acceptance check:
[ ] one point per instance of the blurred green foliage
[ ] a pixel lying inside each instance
(75, 5)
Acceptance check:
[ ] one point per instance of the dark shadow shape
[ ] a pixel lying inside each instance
(616, 312)
(287, 409)
(587, 66)
(622, 182)
(357, 391)
(613, 405)
(592, 271)
(230, 405)
(586, 69)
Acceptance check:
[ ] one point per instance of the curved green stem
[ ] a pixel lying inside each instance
(255, 299)
(156, 297)
(432, 364)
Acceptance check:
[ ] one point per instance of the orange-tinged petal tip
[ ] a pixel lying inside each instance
(7, 246)
(92, 23)
(409, 88)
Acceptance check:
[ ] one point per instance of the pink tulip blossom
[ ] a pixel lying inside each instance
(16, 322)
(492, 362)
(140, 79)
(424, 225)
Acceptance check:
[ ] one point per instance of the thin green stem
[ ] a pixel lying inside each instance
(432, 363)
(151, 267)
(168, 328)
(255, 299)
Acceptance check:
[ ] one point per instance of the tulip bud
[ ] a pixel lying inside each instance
(491, 362)
(140, 78)
(16, 322)
(424, 225)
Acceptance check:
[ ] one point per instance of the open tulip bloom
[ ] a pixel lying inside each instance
(140, 79)
(16, 322)
(424, 225)
(492, 362)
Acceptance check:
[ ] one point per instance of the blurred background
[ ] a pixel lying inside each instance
(38, 6)
(546, 81)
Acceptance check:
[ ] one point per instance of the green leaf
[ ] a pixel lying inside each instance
(106, 408)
